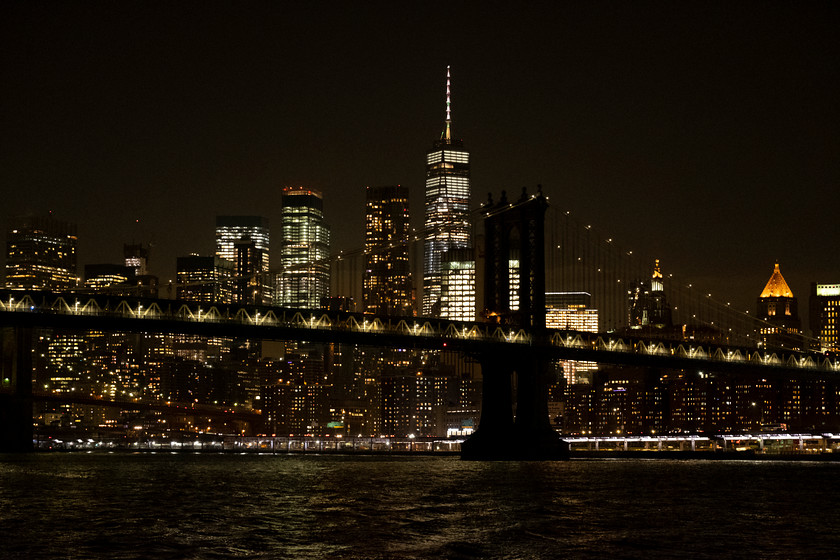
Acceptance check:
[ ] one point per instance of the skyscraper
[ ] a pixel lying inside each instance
(824, 316)
(41, 254)
(648, 306)
(244, 241)
(572, 311)
(387, 279)
(305, 277)
(447, 207)
(457, 292)
(137, 257)
(205, 279)
(778, 308)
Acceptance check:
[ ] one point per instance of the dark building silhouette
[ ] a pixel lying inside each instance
(137, 257)
(648, 306)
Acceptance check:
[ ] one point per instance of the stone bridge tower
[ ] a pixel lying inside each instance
(514, 416)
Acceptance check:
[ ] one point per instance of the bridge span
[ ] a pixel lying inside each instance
(514, 348)
(68, 310)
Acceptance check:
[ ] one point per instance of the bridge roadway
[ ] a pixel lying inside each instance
(39, 309)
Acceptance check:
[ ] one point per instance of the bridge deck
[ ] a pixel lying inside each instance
(110, 313)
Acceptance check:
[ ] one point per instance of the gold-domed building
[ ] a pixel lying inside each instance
(778, 308)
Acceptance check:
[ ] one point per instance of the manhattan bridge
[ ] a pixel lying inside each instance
(510, 341)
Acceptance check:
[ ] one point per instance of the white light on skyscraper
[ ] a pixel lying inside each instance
(447, 204)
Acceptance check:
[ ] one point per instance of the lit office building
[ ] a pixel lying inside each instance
(41, 254)
(109, 278)
(387, 278)
(457, 294)
(205, 279)
(447, 207)
(778, 309)
(571, 311)
(65, 362)
(137, 257)
(305, 275)
(824, 309)
(244, 241)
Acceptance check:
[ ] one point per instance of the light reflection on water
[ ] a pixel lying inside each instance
(221, 506)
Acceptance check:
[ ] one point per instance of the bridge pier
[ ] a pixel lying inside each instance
(514, 237)
(503, 435)
(16, 395)
(495, 431)
(535, 436)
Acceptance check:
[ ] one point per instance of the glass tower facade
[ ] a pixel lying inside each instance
(457, 295)
(387, 277)
(41, 254)
(244, 241)
(825, 316)
(305, 277)
(447, 208)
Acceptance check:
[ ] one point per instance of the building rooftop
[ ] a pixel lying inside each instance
(776, 286)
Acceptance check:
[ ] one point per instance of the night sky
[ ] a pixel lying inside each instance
(705, 134)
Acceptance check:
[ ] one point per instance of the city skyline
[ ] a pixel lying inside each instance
(704, 138)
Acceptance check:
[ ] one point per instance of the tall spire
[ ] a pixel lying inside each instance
(446, 132)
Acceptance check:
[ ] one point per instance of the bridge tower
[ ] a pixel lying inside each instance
(16, 393)
(514, 420)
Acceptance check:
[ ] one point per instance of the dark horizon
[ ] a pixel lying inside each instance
(706, 137)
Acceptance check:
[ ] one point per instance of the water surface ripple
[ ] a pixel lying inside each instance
(245, 506)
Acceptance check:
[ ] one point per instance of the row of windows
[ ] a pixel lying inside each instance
(447, 155)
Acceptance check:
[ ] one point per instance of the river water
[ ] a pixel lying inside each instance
(99, 505)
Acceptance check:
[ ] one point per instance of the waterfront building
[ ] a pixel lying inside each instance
(387, 278)
(41, 254)
(244, 241)
(305, 275)
(296, 401)
(457, 281)
(204, 279)
(824, 315)
(414, 403)
(648, 307)
(778, 309)
(447, 201)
